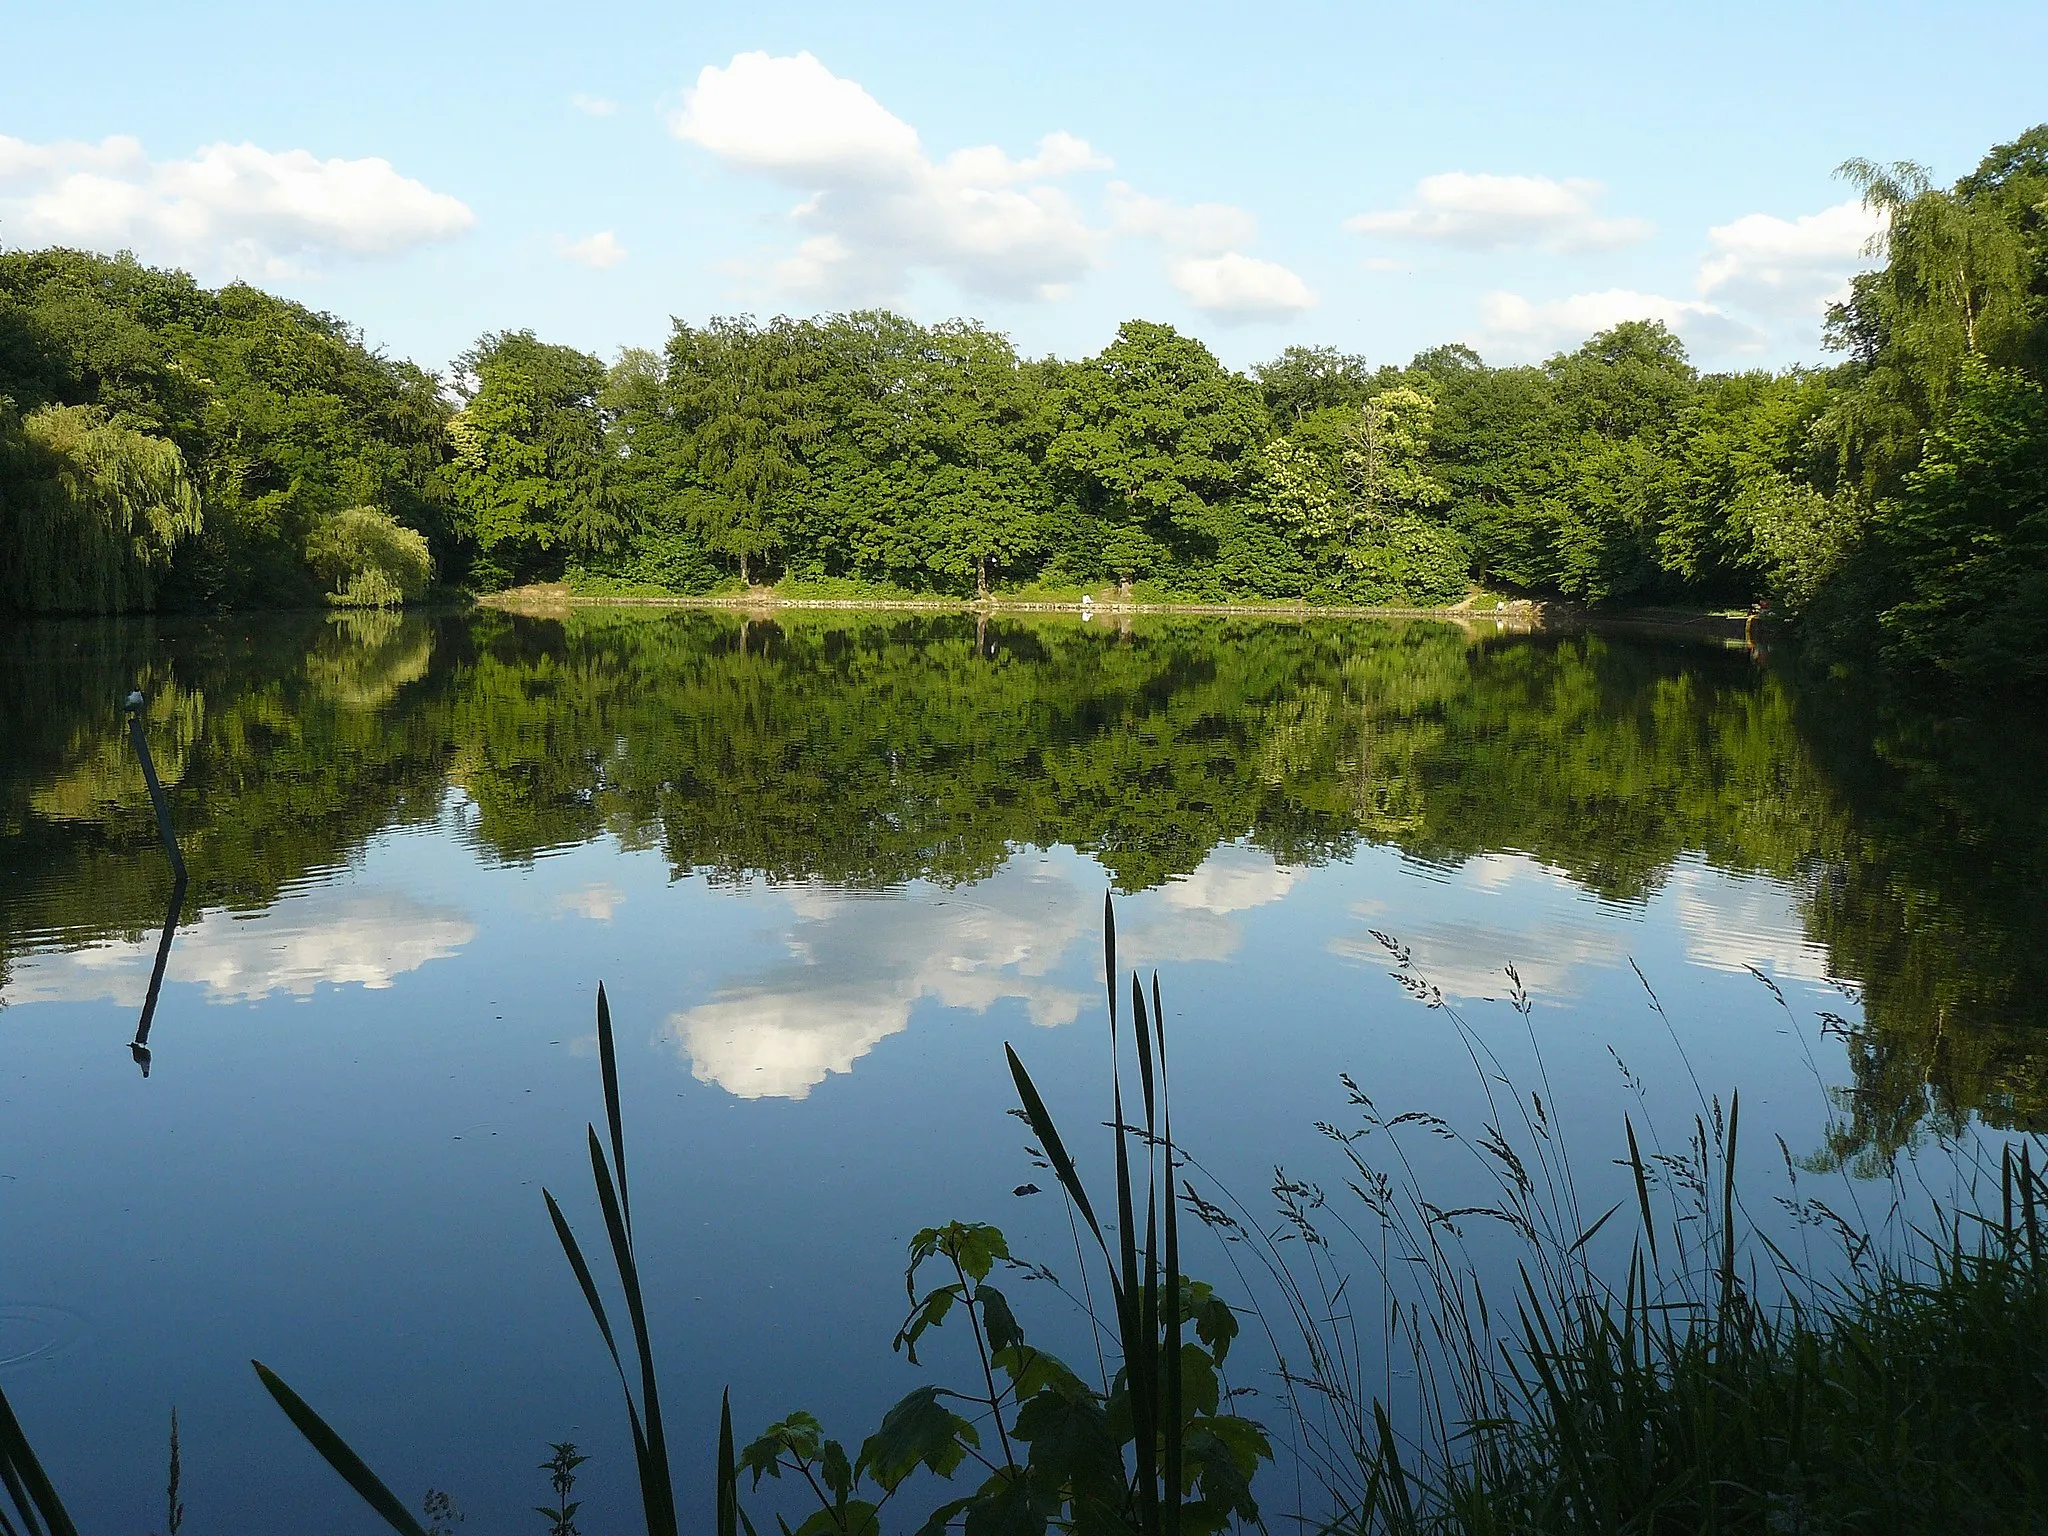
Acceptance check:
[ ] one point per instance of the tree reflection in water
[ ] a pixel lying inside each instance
(866, 750)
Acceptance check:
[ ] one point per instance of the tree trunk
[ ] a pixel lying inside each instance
(743, 570)
(981, 582)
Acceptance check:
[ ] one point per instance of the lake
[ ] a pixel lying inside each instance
(825, 867)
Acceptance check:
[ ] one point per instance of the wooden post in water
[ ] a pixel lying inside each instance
(140, 1046)
(156, 788)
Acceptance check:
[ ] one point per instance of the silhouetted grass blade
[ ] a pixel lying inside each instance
(330, 1445)
(35, 1500)
(581, 1267)
(1109, 955)
(657, 1486)
(1055, 1150)
(728, 1523)
(608, 1066)
(1143, 1363)
(1174, 1384)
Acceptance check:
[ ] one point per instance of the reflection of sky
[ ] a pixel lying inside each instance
(1504, 909)
(342, 1179)
(1732, 923)
(329, 934)
(858, 964)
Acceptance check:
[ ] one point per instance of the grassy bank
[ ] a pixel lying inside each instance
(1497, 612)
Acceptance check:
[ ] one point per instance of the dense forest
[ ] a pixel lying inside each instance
(165, 445)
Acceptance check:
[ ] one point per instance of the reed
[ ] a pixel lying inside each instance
(1704, 1381)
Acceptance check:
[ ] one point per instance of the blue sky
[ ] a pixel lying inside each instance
(1374, 177)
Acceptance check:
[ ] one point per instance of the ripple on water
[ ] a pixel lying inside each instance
(30, 1332)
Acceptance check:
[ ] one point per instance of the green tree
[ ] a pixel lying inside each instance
(1154, 435)
(1625, 399)
(1968, 536)
(367, 559)
(745, 402)
(281, 415)
(90, 512)
(533, 474)
(1305, 379)
(1352, 488)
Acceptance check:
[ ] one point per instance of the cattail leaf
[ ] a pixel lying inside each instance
(368, 1486)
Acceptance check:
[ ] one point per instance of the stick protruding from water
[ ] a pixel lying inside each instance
(157, 798)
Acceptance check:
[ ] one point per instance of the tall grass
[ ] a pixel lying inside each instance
(1698, 1380)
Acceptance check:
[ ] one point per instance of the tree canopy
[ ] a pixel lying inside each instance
(1892, 502)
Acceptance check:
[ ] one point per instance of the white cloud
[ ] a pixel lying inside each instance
(600, 250)
(793, 118)
(593, 106)
(334, 935)
(857, 967)
(1789, 267)
(1237, 289)
(229, 209)
(1199, 228)
(1487, 213)
(1206, 266)
(1200, 922)
(1516, 328)
(879, 207)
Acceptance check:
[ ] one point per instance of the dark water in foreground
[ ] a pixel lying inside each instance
(825, 869)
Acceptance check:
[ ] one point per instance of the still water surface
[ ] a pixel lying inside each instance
(825, 867)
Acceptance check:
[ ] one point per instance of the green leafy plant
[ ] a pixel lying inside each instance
(1154, 1448)
(561, 1466)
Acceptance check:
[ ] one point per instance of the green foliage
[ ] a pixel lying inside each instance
(1152, 1451)
(742, 403)
(1302, 380)
(1680, 1399)
(865, 453)
(864, 448)
(1154, 433)
(1937, 429)
(1968, 536)
(281, 415)
(1351, 490)
(91, 511)
(367, 559)
(739, 747)
(533, 479)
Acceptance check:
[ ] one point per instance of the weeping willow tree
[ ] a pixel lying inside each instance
(368, 559)
(89, 511)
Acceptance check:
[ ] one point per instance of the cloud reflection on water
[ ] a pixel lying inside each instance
(364, 935)
(859, 963)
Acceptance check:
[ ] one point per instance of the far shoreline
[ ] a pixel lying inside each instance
(1513, 616)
